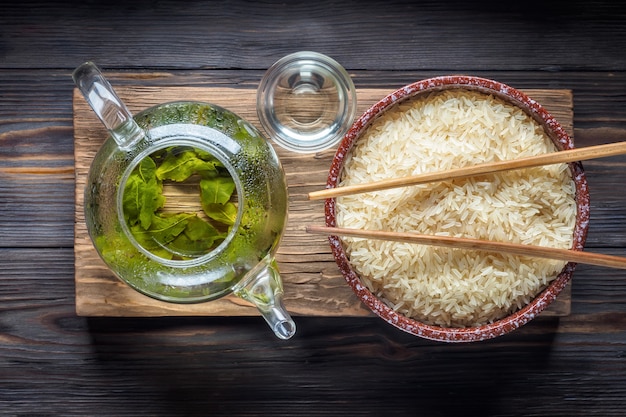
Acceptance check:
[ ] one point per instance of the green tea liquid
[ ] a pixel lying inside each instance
(180, 202)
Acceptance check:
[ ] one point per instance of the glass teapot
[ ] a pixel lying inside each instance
(186, 202)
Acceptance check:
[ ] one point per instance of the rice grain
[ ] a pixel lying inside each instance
(445, 130)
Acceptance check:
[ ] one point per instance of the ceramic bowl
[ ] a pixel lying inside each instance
(513, 321)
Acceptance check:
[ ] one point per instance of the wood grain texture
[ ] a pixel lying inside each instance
(402, 35)
(313, 284)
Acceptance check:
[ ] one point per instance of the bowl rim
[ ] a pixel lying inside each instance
(562, 141)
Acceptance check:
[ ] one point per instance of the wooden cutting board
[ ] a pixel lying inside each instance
(313, 284)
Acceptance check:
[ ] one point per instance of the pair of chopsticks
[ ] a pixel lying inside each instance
(571, 155)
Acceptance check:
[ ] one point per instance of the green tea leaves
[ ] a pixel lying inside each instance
(146, 170)
(180, 166)
(142, 194)
(197, 236)
(217, 190)
(223, 213)
(167, 227)
(179, 234)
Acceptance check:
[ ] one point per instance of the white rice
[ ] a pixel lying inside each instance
(453, 287)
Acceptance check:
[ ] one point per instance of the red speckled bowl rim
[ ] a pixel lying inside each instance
(539, 303)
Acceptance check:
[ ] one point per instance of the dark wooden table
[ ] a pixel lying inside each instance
(53, 362)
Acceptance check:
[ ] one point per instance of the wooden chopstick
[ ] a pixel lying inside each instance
(566, 255)
(570, 155)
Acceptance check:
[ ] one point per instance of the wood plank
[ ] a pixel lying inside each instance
(32, 215)
(43, 341)
(313, 283)
(424, 35)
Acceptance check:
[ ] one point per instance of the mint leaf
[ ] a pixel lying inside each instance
(146, 169)
(216, 190)
(208, 157)
(198, 238)
(142, 194)
(198, 229)
(146, 241)
(131, 199)
(180, 166)
(223, 213)
(165, 228)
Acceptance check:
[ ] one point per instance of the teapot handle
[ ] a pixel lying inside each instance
(264, 289)
(111, 111)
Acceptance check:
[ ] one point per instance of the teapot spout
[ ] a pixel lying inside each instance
(264, 289)
(279, 320)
